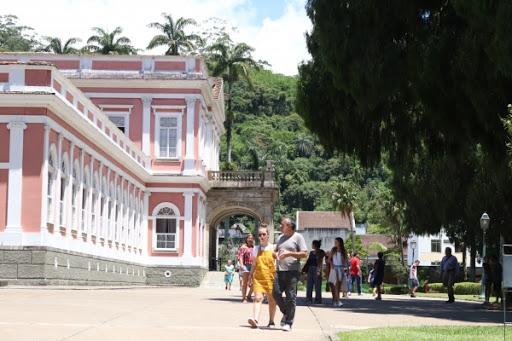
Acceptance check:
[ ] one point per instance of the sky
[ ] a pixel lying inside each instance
(275, 28)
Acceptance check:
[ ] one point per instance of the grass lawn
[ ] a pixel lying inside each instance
(430, 333)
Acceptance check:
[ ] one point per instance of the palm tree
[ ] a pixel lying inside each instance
(174, 36)
(343, 199)
(232, 63)
(107, 43)
(55, 45)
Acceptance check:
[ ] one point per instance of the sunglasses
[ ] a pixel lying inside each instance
(262, 234)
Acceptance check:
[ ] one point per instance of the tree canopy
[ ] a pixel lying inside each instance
(174, 35)
(426, 83)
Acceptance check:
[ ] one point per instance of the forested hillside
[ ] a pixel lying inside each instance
(266, 127)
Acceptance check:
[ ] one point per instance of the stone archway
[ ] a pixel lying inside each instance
(257, 202)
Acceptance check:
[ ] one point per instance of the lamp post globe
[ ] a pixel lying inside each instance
(484, 224)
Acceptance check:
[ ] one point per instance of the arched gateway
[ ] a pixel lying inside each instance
(242, 192)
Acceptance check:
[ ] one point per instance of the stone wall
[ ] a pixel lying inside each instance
(49, 266)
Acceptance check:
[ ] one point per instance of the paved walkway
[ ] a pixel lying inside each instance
(203, 314)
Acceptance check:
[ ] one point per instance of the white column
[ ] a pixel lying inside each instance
(146, 124)
(189, 168)
(69, 190)
(187, 252)
(44, 173)
(144, 226)
(14, 191)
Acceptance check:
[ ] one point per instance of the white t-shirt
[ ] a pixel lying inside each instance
(413, 272)
(256, 249)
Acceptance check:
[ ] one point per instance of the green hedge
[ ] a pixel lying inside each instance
(463, 288)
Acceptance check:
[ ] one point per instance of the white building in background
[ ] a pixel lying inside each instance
(429, 249)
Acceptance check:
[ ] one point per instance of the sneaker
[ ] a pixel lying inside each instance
(334, 304)
(253, 323)
(271, 325)
(340, 304)
(283, 321)
(378, 298)
(287, 327)
(412, 295)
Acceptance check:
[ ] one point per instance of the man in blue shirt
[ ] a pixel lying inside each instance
(449, 270)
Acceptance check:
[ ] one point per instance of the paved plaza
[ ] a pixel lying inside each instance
(204, 313)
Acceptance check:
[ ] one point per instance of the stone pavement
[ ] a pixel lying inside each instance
(149, 313)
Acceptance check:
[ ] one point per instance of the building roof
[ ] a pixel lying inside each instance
(322, 220)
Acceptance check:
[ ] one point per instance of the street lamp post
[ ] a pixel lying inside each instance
(413, 247)
(484, 224)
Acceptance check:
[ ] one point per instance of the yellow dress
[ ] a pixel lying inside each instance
(264, 271)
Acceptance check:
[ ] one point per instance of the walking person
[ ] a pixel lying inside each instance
(313, 269)
(338, 261)
(371, 281)
(449, 270)
(245, 259)
(378, 274)
(413, 278)
(290, 248)
(229, 273)
(496, 277)
(355, 273)
(262, 277)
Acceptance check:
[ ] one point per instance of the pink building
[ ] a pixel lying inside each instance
(103, 167)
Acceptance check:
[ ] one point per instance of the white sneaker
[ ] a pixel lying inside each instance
(340, 304)
(287, 328)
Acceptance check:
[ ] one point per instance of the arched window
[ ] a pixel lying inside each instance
(103, 201)
(166, 228)
(74, 194)
(85, 199)
(110, 212)
(64, 178)
(52, 172)
(94, 205)
(117, 220)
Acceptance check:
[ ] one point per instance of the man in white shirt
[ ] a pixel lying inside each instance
(290, 248)
(413, 278)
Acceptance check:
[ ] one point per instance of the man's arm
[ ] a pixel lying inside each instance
(294, 254)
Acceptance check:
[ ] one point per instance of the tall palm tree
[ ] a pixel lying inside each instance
(55, 45)
(104, 42)
(174, 36)
(232, 63)
(343, 199)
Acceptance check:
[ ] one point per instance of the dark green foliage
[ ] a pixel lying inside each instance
(462, 288)
(14, 37)
(104, 42)
(173, 35)
(426, 84)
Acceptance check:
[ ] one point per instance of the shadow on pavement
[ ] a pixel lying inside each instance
(458, 311)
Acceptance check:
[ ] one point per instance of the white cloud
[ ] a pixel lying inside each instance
(279, 41)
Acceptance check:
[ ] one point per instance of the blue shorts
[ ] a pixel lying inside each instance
(413, 283)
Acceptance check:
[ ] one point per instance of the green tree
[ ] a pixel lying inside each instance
(231, 62)
(343, 199)
(174, 36)
(104, 42)
(14, 37)
(427, 85)
(55, 45)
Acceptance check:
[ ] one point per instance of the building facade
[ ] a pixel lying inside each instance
(103, 167)
(324, 226)
(429, 249)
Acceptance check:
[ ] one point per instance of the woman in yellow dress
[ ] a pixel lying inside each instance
(262, 277)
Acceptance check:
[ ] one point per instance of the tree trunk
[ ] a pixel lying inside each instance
(464, 262)
(352, 227)
(472, 277)
(229, 124)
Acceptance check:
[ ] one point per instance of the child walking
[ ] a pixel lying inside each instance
(229, 273)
